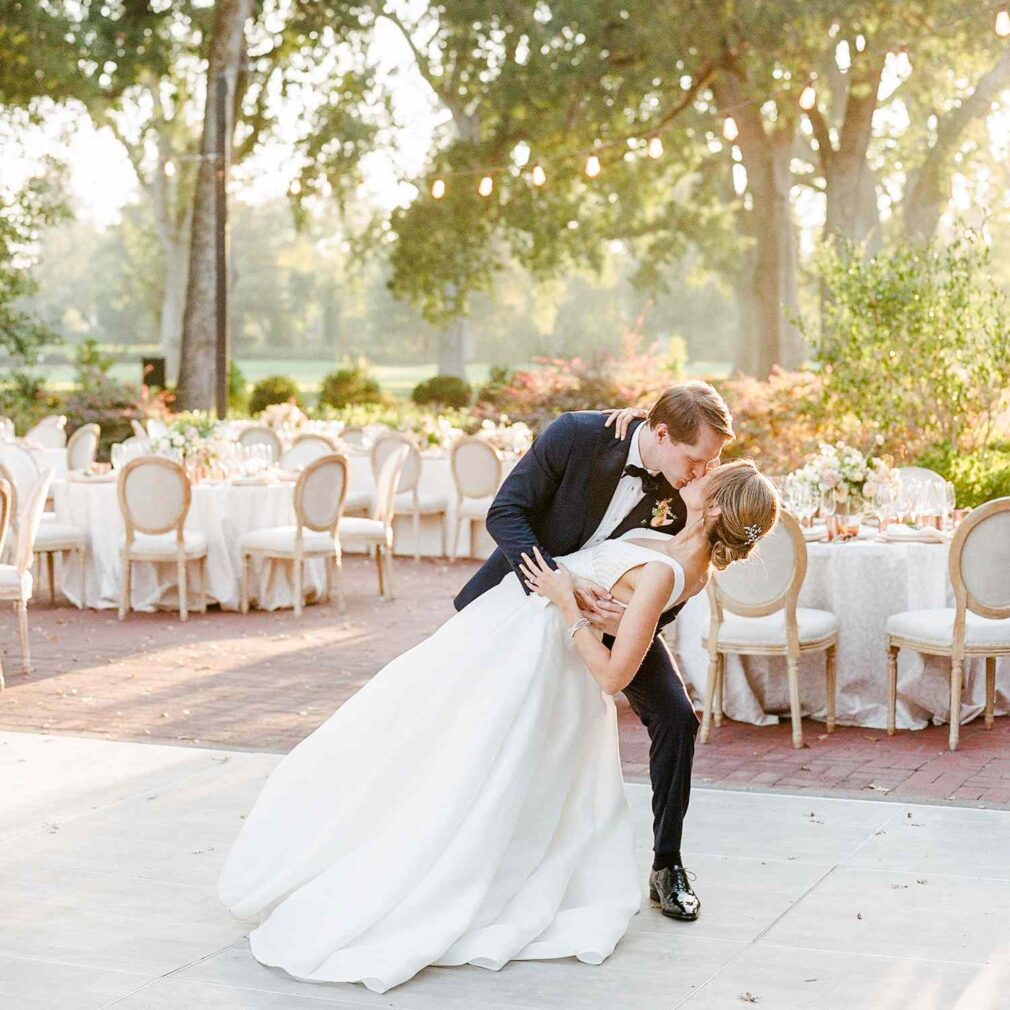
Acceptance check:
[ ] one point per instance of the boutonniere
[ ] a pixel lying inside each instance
(661, 513)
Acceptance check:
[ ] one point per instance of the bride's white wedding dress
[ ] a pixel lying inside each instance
(465, 806)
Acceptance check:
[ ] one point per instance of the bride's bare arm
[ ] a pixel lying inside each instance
(613, 669)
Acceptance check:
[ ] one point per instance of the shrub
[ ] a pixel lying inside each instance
(346, 386)
(915, 342)
(238, 389)
(499, 376)
(977, 477)
(274, 389)
(446, 390)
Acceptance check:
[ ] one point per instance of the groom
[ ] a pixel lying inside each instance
(580, 485)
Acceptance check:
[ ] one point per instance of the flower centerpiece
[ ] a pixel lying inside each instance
(506, 435)
(194, 440)
(846, 479)
(284, 417)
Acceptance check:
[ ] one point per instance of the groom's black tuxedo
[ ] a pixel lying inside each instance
(555, 498)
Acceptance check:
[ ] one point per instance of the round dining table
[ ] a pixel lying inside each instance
(863, 582)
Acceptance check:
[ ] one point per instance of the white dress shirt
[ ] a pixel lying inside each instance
(627, 495)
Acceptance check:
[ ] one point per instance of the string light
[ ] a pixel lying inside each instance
(539, 175)
(438, 189)
(1003, 22)
(729, 129)
(592, 166)
(486, 186)
(808, 98)
(169, 168)
(655, 147)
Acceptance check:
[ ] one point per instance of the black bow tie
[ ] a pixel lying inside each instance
(650, 482)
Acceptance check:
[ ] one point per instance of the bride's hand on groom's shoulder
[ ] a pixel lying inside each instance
(622, 418)
(556, 584)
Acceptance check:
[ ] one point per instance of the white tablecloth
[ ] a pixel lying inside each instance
(221, 512)
(862, 583)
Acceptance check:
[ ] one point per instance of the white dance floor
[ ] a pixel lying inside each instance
(109, 854)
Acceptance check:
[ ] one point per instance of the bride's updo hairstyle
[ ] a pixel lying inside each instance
(749, 508)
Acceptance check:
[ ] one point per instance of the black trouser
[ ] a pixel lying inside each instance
(660, 700)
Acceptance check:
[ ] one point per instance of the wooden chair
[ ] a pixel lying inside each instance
(977, 624)
(22, 471)
(261, 435)
(319, 500)
(760, 595)
(409, 500)
(476, 467)
(377, 530)
(50, 432)
(154, 499)
(16, 579)
(82, 447)
(306, 449)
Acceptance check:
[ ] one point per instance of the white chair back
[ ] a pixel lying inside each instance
(154, 428)
(6, 508)
(138, 429)
(7, 432)
(82, 447)
(306, 449)
(320, 493)
(922, 474)
(384, 505)
(21, 466)
(30, 520)
(476, 467)
(262, 435)
(770, 578)
(980, 560)
(50, 432)
(353, 436)
(411, 472)
(154, 496)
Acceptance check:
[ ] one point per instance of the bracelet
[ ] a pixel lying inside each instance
(582, 622)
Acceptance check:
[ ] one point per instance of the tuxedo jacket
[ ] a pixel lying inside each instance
(556, 496)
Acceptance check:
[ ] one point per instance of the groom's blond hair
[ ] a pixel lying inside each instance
(684, 408)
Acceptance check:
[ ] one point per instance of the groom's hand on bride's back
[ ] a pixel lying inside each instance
(598, 606)
(621, 419)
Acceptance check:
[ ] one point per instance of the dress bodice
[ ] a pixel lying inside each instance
(606, 562)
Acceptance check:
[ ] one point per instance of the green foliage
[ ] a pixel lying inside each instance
(238, 389)
(915, 342)
(352, 384)
(499, 378)
(977, 476)
(447, 390)
(274, 389)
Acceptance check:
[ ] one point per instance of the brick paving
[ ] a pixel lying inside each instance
(263, 682)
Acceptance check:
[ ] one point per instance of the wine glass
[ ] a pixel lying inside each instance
(884, 501)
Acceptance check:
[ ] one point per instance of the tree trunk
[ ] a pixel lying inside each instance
(454, 348)
(173, 303)
(197, 366)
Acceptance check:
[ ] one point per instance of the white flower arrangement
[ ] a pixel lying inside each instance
(284, 416)
(844, 470)
(509, 436)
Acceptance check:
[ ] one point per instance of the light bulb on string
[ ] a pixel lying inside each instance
(655, 147)
(486, 186)
(592, 166)
(1003, 22)
(539, 176)
(808, 98)
(169, 168)
(729, 129)
(438, 189)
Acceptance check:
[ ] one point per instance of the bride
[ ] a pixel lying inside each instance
(467, 804)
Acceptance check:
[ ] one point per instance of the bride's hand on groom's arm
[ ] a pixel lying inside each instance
(621, 419)
(556, 584)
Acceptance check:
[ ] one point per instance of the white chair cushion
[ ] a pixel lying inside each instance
(281, 540)
(14, 586)
(154, 546)
(427, 504)
(474, 508)
(936, 627)
(54, 536)
(371, 530)
(814, 625)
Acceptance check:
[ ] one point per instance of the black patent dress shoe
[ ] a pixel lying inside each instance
(670, 890)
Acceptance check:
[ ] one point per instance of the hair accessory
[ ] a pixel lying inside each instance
(753, 534)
